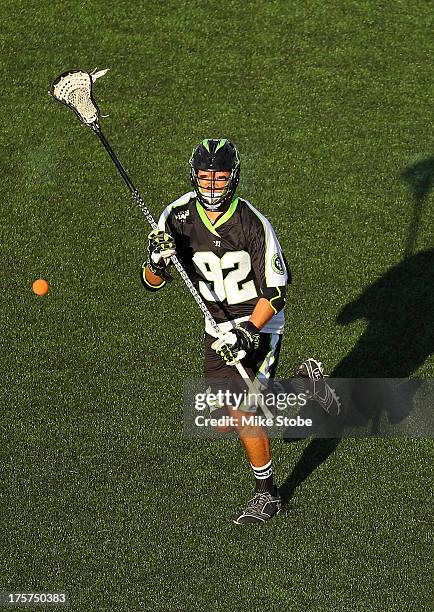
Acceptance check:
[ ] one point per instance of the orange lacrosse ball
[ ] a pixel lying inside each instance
(40, 286)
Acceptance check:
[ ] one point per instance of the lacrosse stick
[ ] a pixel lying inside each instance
(74, 89)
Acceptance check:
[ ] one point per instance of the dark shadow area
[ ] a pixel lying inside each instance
(399, 337)
(313, 455)
(399, 310)
(420, 180)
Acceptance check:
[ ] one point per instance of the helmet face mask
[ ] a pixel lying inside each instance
(214, 185)
(219, 163)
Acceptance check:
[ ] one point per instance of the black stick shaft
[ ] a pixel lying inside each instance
(115, 160)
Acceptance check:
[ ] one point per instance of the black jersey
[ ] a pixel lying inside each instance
(231, 262)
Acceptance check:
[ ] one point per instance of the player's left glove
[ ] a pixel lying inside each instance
(161, 247)
(234, 345)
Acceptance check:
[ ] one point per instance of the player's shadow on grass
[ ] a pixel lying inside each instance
(420, 179)
(399, 310)
(317, 451)
(399, 337)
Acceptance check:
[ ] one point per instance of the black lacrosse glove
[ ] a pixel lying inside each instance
(248, 337)
(161, 247)
(236, 344)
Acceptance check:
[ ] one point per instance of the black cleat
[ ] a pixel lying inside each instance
(321, 392)
(260, 508)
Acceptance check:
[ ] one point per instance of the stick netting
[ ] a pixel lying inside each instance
(74, 88)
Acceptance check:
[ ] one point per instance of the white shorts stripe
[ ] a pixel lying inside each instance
(263, 374)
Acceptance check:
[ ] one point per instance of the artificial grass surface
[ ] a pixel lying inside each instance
(330, 107)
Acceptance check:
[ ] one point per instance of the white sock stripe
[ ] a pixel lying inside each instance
(260, 472)
(263, 472)
(263, 476)
(260, 468)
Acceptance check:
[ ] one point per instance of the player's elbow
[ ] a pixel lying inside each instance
(276, 297)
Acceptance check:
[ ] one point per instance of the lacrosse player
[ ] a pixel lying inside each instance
(231, 253)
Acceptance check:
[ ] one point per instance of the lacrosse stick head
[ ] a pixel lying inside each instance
(74, 89)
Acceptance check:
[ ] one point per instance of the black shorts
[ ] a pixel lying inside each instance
(261, 364)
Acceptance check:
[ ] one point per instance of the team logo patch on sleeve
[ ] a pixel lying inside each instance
(276, 264)
(182, 215)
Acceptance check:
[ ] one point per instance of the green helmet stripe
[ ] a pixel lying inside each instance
(206, 144)
(221, 143)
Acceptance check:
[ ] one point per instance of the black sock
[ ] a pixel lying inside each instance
(264, 482)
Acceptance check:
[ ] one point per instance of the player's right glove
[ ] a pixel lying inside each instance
(161, 247)
(234, 345)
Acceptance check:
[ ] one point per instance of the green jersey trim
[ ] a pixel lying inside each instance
(275, 298)
(228, 214)
(263, 374)
(225, 217)
(207, 223)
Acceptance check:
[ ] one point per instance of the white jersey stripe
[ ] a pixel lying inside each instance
(184, 199)
(272, 250)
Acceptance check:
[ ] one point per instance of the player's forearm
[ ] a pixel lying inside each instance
(271, 303)
(262, 313)
(150, 280)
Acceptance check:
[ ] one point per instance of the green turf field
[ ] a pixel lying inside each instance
(330, 105)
